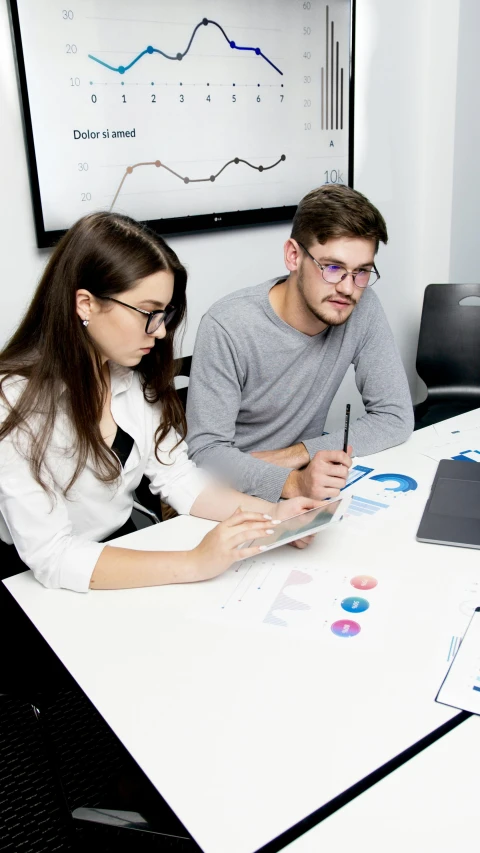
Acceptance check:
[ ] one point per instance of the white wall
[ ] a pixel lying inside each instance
(465, 260)
(404, 126)
(404, 134)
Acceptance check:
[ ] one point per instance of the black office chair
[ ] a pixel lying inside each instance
(154, 820)
(182, 368)
(141, 816)
(101, 798)
(84, 762)
(147, 507)
(448, 354)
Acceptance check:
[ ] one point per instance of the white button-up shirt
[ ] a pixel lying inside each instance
(57, 536)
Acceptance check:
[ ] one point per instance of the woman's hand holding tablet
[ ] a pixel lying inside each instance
(301, 525)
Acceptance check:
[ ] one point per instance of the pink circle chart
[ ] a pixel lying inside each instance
(345, 628)
(363, 582)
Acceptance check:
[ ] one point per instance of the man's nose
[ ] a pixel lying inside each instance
(346, 286)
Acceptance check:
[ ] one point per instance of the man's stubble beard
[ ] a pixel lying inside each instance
(318, 312)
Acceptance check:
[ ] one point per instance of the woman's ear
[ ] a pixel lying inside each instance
(84, 301)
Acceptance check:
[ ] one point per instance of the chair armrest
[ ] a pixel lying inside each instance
(148, 512)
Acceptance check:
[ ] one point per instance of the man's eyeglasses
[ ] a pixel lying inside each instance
(154, 318)
(334, 274)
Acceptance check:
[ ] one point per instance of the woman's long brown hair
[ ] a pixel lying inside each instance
(106, 254)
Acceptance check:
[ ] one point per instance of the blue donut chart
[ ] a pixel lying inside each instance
(404, 483)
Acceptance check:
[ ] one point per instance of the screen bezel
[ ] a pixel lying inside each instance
(173, 225)
(334, 518)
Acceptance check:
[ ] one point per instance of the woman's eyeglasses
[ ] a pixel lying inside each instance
(154, 318)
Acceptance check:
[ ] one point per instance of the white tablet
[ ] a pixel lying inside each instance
(305, 524)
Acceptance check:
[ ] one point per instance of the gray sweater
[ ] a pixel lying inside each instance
(259, 384)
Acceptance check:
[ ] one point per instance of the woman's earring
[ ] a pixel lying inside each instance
(85, 322)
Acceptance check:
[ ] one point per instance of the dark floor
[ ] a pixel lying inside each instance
(29, 815)
(63, 753)
(95, 771)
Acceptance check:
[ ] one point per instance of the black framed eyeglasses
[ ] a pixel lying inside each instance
(154, 318)
(334, 274)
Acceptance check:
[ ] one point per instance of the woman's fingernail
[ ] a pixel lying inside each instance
(269, 531)
(267, 516)
(276, 521)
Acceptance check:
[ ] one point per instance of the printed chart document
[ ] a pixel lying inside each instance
(460, 444)
(371, 492)
(287, 591)
(460, 424)
(461, 687)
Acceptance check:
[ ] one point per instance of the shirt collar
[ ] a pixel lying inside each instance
(121, 378)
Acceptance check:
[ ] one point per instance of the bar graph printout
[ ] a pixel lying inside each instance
(372, 492)
(460, 444)
(461, 687)
(464, 595)
(280, 592)
(309, 595)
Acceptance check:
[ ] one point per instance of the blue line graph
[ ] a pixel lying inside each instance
(121, 69)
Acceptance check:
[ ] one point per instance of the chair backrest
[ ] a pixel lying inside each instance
(182, 368)
(448, 355)
(142, 492)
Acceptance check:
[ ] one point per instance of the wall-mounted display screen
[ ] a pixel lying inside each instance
(184, 115)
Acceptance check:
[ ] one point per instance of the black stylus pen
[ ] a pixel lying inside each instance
(347, 425)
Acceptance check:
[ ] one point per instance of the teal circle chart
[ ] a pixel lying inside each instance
(403, 482)
(352, 604)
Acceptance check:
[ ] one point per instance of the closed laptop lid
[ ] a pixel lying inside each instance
(452, 512)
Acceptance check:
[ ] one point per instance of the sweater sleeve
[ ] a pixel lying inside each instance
(213, 403)
(380, 377)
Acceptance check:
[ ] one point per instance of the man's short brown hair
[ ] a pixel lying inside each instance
(336, 210)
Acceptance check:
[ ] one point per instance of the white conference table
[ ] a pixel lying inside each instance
(246, 728)
(428, 805)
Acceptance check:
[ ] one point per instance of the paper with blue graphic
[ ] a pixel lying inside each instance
(372, 493)
(462, 445)
(461, 687)
(461, 424)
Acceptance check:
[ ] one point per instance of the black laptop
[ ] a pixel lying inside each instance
(452, 513)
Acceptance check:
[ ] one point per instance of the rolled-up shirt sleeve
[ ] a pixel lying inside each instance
(174, 476)
(40, 528)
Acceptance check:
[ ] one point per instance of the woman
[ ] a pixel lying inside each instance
(88, 407)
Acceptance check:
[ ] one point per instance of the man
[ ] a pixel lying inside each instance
(269, 359)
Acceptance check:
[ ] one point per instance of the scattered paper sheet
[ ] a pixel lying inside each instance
(371, 491)
(461, 687)
(463, 445)
(453, 426)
